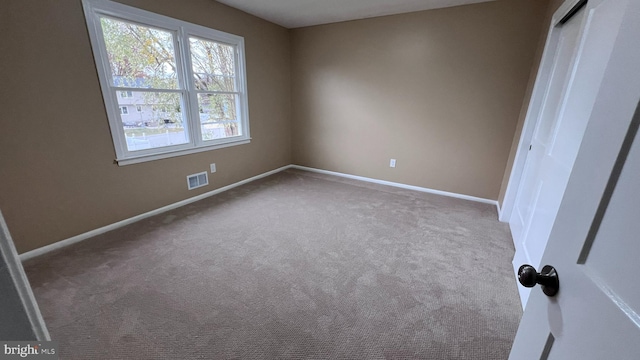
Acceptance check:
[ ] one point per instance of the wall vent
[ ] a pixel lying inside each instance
(197, 180)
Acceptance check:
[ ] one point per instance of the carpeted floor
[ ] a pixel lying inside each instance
(294, 266)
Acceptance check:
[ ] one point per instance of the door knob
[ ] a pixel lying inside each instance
(547, 278)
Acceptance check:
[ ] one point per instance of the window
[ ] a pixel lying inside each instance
(186, 81)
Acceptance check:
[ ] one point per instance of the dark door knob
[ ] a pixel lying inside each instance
(547, 278)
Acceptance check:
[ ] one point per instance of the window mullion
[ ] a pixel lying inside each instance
(183, 83)
(147, 89)
(218, 92)
(192, 98)
(240, 86)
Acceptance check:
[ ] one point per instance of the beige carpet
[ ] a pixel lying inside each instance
(293, 266)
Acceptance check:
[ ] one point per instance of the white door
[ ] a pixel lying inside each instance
(595, 244)
(580, 43)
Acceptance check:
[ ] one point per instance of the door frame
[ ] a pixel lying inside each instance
(21, 283)
(534, 109)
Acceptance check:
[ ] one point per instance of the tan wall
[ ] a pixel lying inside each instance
(56, 155)
(440, 91)
(551, 9)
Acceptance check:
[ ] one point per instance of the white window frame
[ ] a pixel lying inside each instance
(124, 110)
(181, 31)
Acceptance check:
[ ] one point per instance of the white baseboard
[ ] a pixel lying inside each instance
(399, 185)
(78, 238)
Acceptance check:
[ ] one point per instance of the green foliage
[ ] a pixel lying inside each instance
(140, 56)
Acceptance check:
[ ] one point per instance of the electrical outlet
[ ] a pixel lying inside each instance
(213, 168)
(392, 163)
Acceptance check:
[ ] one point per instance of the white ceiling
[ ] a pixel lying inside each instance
(299, 13)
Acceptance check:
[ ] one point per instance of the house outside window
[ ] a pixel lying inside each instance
(186, 82)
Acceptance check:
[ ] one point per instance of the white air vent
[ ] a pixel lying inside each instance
(197, 180)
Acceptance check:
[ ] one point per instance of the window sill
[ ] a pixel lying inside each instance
(170, 154)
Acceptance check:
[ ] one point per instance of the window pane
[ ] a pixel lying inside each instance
(213, 65)
(139, 56)
(213, 131)
(217, 107)
(157, 122)
(218, 116)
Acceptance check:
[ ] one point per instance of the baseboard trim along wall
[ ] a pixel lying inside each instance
(78, 238)
(400, 185)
